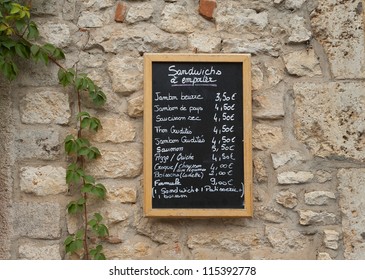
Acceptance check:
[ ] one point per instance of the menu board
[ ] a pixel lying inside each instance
(197, 135)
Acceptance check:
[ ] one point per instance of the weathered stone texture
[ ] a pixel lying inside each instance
(40, 144)
(126, 74)
(309, 217)
(139, 12)
(294, 4)
(287, 199)
(298, 31)
(233, 242)
(160, 231)
(270, 214)
(302, 63)
(45, 106)
(339, 27)
(352, 196)
(329, 118)
(6, 167)
(47, 7)
(124, 163)
(37, 252)
(291, 177)
(204, 43)
(42, 181)
(58, 34)
(269, 105)
(284, 240)
(236, 18)
(175, 18)
(331, 238)
(135, 107)
(238, 45)
(260, 173)
(37, 220)
(282, 158)
(90, 20)
(114, 130)
(265, 136)
(319, 197)
(136, 39)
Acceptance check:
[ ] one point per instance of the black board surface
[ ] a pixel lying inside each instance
(197, 135)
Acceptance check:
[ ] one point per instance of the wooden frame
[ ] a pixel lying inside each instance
(244, 60)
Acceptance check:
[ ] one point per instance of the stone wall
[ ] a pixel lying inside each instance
(308, 141)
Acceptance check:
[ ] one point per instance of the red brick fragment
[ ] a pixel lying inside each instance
(207, 7)
(120, 12)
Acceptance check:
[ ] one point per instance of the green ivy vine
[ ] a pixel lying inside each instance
(18, 40)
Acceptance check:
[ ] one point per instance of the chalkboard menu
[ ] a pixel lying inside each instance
(197, 135)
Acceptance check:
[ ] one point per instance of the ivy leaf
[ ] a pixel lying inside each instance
(65, 77)
(97, 254)
(74, 174)
(75, 207)
(33, 32)
(34, 50)
(98, 217)
(99, 190)
(22, 50)
(9, 69)
(70, 145)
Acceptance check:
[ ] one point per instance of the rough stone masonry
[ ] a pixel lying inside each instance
(308, 70)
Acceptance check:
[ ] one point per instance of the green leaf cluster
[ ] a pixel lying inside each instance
(97, 227)
(88, 122)
(80, 147)
(16, 33)
(97, 253)
(74, 242)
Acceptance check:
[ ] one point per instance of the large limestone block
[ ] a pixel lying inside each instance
(114, 130)
(56, 33)
(37, 220)
(266, 137)
(351, 199)
(236, 18)
(303, 63)
(39, 144)
(175, 18)
(39, 252)
(45, 106)
(135, 107)
(285, 240)
(254, 46)
(139, 12)
(126, 74)
(329, 118)
(204, 43)
(339, 27)
(45, 180)
(126, 162)
(298, 31)
(138, 38)
(269, 105)
(90, 20)
(47, 7)
(235, 242)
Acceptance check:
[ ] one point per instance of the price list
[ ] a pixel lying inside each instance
(197, 132)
